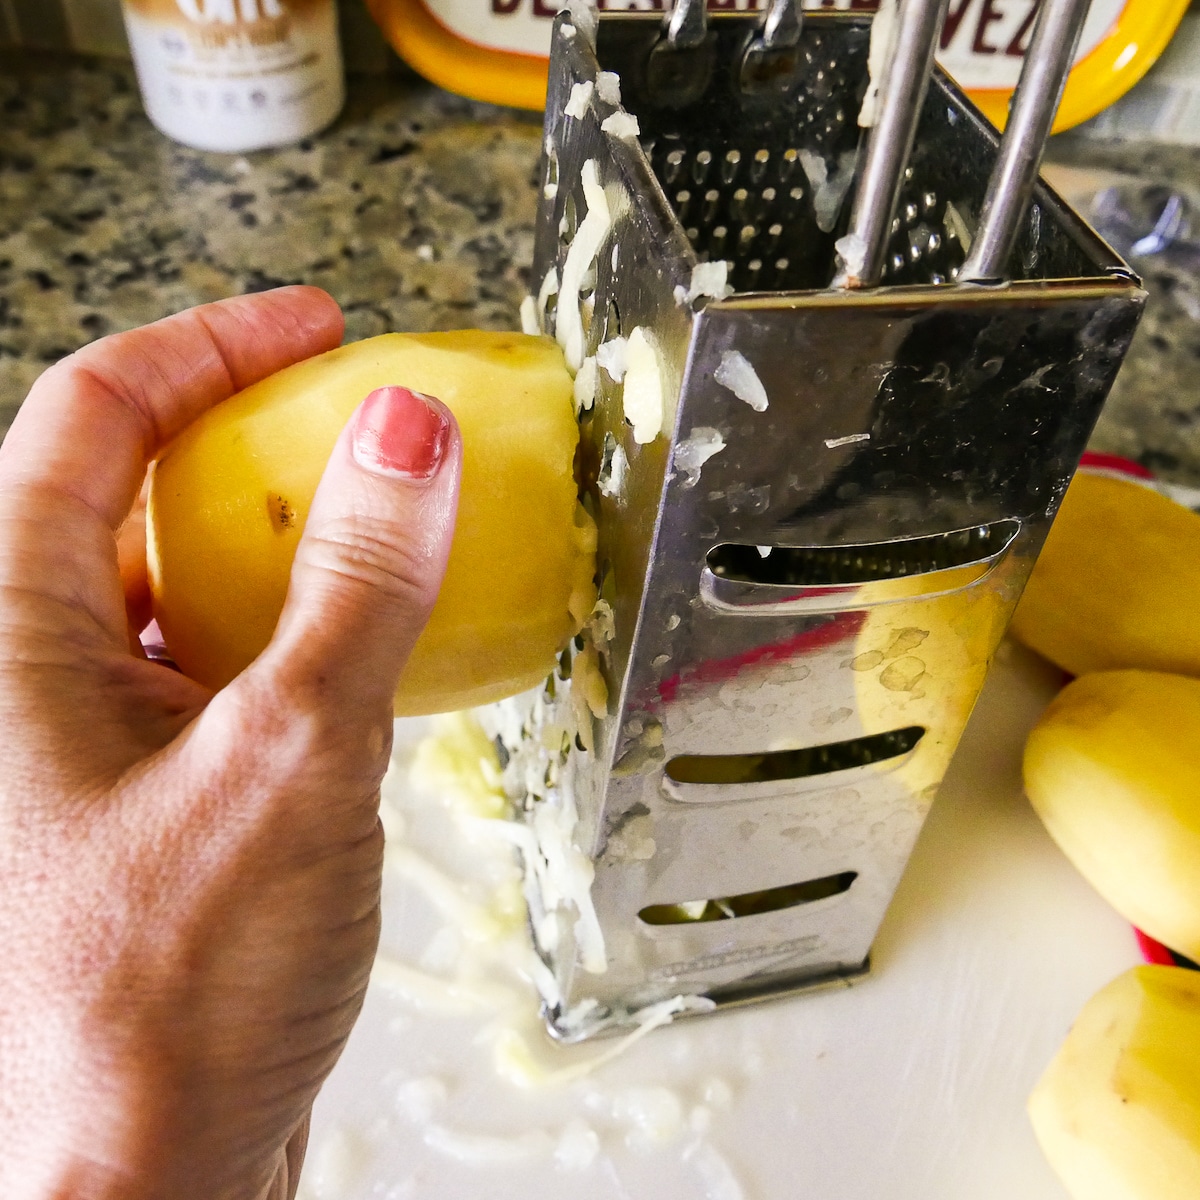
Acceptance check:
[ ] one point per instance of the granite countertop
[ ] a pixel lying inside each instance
(1153, 412)
(415, 211)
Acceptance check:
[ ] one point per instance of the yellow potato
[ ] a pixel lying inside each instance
(1118, 582)
(923, 663)
(1117, 1112)
(1113, 769)
(230, 496)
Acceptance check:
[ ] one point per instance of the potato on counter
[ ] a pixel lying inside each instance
(1118, 582)
(1113, 769)
(230, 496)
(1117, 1112)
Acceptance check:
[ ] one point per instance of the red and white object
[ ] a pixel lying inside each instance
(237, 75)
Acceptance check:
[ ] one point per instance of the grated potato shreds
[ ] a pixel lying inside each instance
(579, 99)
(530, 322)
(621, 125)
(613, 356)
(737, 373)
(852, 260)
(710, 279)
(585, 385)
(585, 18)
(608, 87)
(884, 28)
(695, 450)
(581, 255)
(644, 395)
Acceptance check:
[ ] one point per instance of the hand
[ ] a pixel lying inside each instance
(190, 896)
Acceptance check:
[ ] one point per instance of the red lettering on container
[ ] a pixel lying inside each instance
(954, 18)
(1017, 48)
(987, 17)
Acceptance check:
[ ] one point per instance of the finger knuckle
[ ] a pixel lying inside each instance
(381, 557)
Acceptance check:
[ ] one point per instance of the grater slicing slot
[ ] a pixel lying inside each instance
(750, 904)
(716, 771)
(771, 580)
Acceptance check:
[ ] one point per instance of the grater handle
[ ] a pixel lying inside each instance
(1034, 105)
(687, 24)
(782, 27)
(889, 143)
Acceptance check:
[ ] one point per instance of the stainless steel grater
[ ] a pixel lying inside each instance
(805, 596)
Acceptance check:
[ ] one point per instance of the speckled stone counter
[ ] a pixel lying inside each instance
(415, 211)
(1153, 411)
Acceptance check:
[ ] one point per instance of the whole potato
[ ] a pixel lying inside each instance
(1117, 1112)
(1117, 583)
(1113, 769)
(230, 496)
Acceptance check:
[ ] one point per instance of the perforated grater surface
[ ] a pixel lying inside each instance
(805, 596)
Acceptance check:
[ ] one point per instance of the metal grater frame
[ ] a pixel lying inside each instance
(777, 726)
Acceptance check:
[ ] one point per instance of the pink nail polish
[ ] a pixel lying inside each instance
(401, 433)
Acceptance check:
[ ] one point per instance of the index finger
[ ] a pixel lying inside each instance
(92, 422)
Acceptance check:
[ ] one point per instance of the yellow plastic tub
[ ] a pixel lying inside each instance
(496, 50)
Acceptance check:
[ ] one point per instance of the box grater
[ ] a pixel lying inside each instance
(806, 573)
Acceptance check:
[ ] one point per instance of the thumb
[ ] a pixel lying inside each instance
(371, 559)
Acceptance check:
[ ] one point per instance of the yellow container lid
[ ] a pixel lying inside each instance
(497, 50)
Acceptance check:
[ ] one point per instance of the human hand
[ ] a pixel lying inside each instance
(190, 900)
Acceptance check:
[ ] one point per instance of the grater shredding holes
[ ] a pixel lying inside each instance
(739, 212)
(718, 769)
(816, 566)
(746, 158)
(748, 904)
(751, 146)
(762, 208)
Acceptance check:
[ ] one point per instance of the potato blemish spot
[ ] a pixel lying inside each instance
(282, 514)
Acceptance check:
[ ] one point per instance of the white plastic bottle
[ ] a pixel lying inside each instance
(237, 74)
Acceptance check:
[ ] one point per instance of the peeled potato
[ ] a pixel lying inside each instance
(230, 496)
(1117, 1112)
(1113, 769)
(923, 664)
(1117, 583)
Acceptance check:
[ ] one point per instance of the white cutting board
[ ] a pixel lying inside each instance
(908, 1086)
